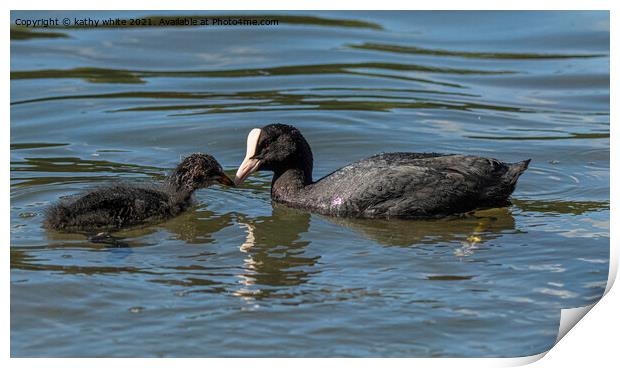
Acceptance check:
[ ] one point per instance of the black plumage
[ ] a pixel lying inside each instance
(388, 185)
(121, 205)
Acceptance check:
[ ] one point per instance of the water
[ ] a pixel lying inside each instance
(236, 276)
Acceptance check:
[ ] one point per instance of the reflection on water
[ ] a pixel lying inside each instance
(293, 100)
(101, 75)
(73, 165)
(27, 34)
(275, 254)
(24, 261)
(492, 223)
(274, 257)
(468, 54)
(560, 207)
(236, 276)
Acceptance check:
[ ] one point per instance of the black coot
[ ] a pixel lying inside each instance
(122, 205)
(388, 185)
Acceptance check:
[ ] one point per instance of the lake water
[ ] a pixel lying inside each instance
(236, 276)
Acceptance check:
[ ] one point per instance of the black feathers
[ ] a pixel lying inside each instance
(388, 185)
(118, 206)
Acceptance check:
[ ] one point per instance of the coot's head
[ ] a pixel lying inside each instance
(277, 148)
(198, 170)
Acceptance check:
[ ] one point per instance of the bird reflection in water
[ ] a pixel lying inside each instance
(196, 226)
(477, 237)
(275, 254)
(470, 230)
(276, 258)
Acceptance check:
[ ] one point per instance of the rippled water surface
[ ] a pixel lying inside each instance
(236, 276)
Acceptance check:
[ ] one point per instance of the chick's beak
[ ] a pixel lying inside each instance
(224, 179)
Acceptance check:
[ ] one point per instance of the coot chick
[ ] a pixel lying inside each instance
(388, 185)
(123, 205)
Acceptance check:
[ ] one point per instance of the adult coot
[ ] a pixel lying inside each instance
(388, 185)
(122, 205)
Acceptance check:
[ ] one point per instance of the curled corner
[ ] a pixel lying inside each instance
(569, 317)
(613, 268)
(521, 361)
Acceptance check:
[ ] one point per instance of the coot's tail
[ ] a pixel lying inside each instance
(498, 195)
(514, 171)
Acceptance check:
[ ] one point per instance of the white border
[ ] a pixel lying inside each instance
(593, 341)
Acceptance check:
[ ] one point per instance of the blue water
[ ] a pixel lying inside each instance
(236, 276)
